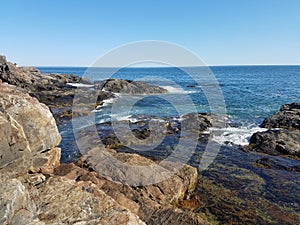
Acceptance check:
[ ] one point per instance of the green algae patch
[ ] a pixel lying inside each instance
(231, 195)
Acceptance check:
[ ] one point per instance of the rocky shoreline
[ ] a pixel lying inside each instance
(38, 189)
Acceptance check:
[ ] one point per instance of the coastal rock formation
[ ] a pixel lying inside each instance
(30, 193)
(16, 206)
(64, 201)
(37, 190)
(51, 89)
(287, 117)
(173, 197)
(57, 91)
(129, 87)
(277, 142)
(27, 127)
(141, 135)
(33, 80)
(283, 136)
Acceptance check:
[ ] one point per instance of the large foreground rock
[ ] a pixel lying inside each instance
(170, 201)
(63, 201)
(27, 127)
(16, 206)
(29, 192)
(283, 136)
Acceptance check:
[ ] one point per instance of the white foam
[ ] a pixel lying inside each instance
(106, 102)
(80, 85)
(177, 90)
(121, 118)
(234, 135)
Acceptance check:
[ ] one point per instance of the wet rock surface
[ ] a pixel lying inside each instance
(277, 142)
(288, 117)
(164, 133)
(283, 136)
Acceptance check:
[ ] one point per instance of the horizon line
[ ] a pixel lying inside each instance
(211, 65)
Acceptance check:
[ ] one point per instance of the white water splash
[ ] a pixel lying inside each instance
(234, 135)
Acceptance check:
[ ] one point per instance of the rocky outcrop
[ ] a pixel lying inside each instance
(33, 80)
(287, 117)
(27, 127)
(129, 87)
(283, 136)
(192, 124)
(29, 192)
(51, 89)
(173, 197)
(64, 201)
(16, 206)
(277, 142)
(56, 91)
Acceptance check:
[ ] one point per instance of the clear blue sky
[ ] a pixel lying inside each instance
(73, 32)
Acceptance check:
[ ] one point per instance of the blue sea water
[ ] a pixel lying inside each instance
(251, 93)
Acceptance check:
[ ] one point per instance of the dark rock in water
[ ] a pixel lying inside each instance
(197, 121)
(296, 168)
(129, 87)
(285, 140)
(287, 117)
(191, 86)
(277, 142)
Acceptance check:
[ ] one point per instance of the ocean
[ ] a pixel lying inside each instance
(250, 93)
